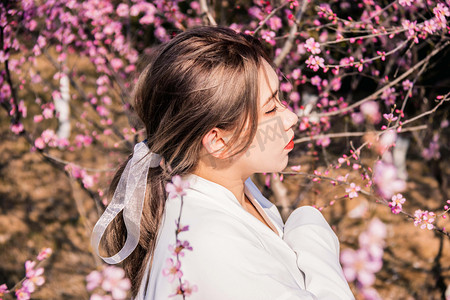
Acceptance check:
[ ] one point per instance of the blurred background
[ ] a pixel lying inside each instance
(369, 80)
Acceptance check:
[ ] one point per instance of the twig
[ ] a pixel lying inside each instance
(348, 134)
(205, 11)
(427, 112)
(362, 37)
(409, 92)
(65, 162)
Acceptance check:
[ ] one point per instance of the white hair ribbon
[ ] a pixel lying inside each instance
(129, 196)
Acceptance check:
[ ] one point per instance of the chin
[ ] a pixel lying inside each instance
(278, 168)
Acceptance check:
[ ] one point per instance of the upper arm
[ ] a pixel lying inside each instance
(317, 249)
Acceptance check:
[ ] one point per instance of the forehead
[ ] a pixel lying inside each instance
(268, 82)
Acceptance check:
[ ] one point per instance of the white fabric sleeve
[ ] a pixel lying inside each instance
(317, 247)
(228, 262)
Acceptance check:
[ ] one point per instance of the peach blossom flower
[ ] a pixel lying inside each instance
(172, 270)
(353, 190)
(396, 203)
(176, 187)
(424, 218)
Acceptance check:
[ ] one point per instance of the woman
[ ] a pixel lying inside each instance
(209, 101)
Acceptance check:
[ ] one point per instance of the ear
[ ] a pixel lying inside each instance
(215, 142)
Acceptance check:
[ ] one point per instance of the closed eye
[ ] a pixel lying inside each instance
(271, 111)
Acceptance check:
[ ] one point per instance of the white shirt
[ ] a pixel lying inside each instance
(237, 257)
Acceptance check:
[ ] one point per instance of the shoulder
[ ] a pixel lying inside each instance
(209, 220)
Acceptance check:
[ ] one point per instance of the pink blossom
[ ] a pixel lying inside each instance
(180, 246)
(3, 56)
(38, 118)
(430, 26)
(41, 41)
(441, 11)
(360, 266)
(189, 289)
(3, 289)
(103, 80)
(34, 276)
(17, 128)
(369, 293)
(336, 84)
(255, 12)
(186, 289)
(396, 203)
(177, 187)
(93, 280)
(324, 142)
(44, 254)
(22, 108)
(122, 10)
(389, 117)
(100, 297)
(424, 218)
(373, 238)
(353, 190)
(268, 36)
(275, 23)
(405, 2)
(181, 228)
(114, 281)
(286, 87)
(88, 180)
(173, 270)
(316, 80)
(358, 118)
(39, 143)
(294, 97)
(315, 62)
(102, 111)
(48, 135)
(116, 63)
(23, 293)
(312, 46)
(389, 96)
(296, 73)
(386, 179)
(411, 27)
(161, 34)
(296, 168)
(432, 151)
(83, 140)
(387, 140)
(371, 110)
(48, 112)
(407, 85)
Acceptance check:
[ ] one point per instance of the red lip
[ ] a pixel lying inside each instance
(290, 145)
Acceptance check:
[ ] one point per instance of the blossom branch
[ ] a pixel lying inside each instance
(290, 41)
(272, 13)
(380, 91)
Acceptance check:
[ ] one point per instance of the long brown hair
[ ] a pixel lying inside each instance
(203, 78)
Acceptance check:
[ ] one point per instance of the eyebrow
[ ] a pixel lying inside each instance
(271, 97)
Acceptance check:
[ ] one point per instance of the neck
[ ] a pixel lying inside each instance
(225, 177)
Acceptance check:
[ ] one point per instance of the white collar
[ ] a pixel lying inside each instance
(215, 190)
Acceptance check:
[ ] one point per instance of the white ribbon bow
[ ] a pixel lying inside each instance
(129, 196)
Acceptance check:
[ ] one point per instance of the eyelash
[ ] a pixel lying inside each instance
(272, 110)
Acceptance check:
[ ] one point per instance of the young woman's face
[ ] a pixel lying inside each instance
(273, 141)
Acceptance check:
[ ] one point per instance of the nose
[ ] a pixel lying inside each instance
(289, 119)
